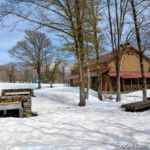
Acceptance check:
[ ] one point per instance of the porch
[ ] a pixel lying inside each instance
(134, 84)
(130, 81)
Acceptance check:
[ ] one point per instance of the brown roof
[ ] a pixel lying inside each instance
(92, 74)
(106, 57)
(103, 58)
(109, 56)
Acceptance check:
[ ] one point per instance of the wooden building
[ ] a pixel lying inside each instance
(130, 75)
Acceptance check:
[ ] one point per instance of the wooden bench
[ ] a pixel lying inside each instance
(17, 92)
(142, 105)
(10, 106)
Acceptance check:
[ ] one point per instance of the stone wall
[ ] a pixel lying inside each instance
(26, 103)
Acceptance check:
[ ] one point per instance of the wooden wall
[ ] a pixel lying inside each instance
(130, 62)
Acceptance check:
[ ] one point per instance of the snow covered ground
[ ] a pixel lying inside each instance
(62, 125)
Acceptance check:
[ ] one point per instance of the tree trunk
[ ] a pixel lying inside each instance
(63, 69)
(99, 88)
(99, 82)
(82, 90)
(39, 77)
(118, 98)
(51, 85)
(138, 38)
(144, 91)
(99, 78)
(80, 49)
(88, 82)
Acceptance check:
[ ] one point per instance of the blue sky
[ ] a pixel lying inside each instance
(9, 38)
(7, 41)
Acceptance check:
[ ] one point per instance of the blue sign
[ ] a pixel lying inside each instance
(36, 80)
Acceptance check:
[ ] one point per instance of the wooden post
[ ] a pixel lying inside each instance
(101, 81)
(131, 84)
(138, 83)
(123, 85)
(110, 84)
(4, 112)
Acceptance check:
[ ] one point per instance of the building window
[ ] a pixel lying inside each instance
(129, 53)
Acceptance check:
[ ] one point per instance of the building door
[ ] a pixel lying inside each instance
(105, 86)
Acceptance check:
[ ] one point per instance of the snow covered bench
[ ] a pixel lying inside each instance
(17, 92)
(142, 105)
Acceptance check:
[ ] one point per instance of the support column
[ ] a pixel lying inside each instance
(109, 84)
(123, 85)
(5, 112)
(21, 113)
(131, 84)
(101, 81)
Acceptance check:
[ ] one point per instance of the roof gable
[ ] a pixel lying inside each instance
(109, 56)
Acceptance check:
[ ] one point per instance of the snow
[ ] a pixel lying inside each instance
(62, 125)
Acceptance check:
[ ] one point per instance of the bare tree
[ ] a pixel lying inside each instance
(65, 16)
(116, 26)
(33, 50)
(137, 11)
(94, 21)
(3, 76)
(62, 69)
(9, 71)
(87, 60)
(52, 73)
(25, 73)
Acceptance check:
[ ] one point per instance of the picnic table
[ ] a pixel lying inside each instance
(136, 106)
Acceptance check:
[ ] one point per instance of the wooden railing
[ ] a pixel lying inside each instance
(127, 88)
(135, 87)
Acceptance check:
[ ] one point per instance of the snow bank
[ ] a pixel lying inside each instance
(62, 125)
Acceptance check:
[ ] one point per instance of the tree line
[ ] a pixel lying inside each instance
(86, 27)
(35, 60)
(18, 72)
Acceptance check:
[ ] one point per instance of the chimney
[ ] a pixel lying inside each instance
(127, 44)
(121, 46)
